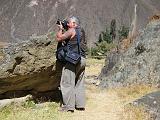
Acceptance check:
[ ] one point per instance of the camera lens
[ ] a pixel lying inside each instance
(58, 22)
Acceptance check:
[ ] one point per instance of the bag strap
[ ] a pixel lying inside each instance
(78, 39)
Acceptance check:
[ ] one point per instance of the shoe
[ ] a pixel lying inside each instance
(62, 109)
(80, 109)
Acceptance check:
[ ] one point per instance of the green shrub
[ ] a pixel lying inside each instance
(123, 32)
(106, 37)
(29, 104)
(101, 48)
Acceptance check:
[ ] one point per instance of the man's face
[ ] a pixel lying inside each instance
(71, 23)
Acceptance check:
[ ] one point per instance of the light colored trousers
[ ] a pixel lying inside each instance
(72, 85)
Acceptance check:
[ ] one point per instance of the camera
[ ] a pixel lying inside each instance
(64, 23)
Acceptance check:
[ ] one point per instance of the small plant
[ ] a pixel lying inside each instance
(140, 48)
(123, 32)
(106, 37)
(100, 39)
(29, 104)
(4, 112)
(113, 29)
(101, 48)
(104, 44)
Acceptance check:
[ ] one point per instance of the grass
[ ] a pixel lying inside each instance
(128, 95)
(92, 61)
(94, 66)
(102, 103)
(134, 91)
(46, 112)
(135, 113)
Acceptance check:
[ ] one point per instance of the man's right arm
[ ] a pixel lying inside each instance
(63, 36)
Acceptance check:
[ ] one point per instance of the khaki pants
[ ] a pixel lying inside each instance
(72, 85)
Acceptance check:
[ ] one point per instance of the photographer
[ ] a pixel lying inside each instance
(72, 79)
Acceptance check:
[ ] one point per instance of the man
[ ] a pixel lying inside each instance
(72, 79)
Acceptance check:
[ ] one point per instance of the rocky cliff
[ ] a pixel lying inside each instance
(139, 64)
(20, 19)
(28, 67)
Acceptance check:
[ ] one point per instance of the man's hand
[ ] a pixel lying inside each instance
(60, 26)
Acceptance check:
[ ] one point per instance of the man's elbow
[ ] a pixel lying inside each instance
(58, 39)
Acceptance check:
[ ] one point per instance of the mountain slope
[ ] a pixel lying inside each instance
(23, 18)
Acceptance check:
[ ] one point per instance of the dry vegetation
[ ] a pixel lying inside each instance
(129, 94)
(155, 17)
(94, 66)
(2, 45)
(102, 104)
(135, 113)
(1, 54)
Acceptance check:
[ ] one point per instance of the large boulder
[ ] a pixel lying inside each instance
(151, 103)
(140, 63)
(28, 67)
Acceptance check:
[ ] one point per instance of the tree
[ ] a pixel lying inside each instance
(100, 38)
(113, 29)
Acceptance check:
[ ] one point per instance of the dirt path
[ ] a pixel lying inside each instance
(101, 104)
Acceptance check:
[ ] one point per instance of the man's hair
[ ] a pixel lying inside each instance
(75, 19)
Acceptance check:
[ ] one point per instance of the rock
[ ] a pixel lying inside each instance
(17, 101)
(111, 59)
(28, 67)
(140, 63)
(151, 102)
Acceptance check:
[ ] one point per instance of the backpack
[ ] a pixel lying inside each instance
(64, 54)
(83, 43)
